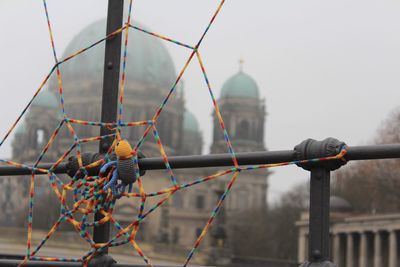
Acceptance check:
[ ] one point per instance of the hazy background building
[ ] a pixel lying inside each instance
(150, 74)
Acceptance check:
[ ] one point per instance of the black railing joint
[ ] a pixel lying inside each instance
(312, 149)
(316, 255)
(106, 144)
(73, 169)
(318, 264)
(101, 260)
(72, 166)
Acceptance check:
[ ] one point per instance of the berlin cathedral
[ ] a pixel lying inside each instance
(150, 74)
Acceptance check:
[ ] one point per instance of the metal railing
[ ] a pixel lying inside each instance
(220, 160)
(16, 262)
(308, 150)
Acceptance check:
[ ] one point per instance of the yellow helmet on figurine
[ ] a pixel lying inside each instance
(123, 149)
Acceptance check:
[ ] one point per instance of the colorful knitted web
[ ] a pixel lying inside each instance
(88, 194)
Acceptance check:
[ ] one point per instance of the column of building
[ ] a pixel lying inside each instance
(392, 249)
(378, 259)
(302, 245)
(378, 249)
(336, 248)
(355, 250)
(363, 250)
(349, 249)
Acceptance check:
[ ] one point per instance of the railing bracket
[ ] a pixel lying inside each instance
(312, 149)
(101, 260)
(318, 264)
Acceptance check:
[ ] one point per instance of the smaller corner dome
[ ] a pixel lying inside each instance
(21, 127)
(338, 204)
(46, 99)
(240, 85)
(190, 122)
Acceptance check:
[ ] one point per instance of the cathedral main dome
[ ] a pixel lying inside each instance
(148, 61)
(150, 74)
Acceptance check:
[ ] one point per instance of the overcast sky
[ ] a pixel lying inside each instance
(325, 68)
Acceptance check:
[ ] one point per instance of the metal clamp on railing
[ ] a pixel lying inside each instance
(101, 260)
(73, 169)
(325, 151)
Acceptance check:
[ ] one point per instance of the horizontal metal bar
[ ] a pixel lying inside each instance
(12, 170)
(16, 262)
(218, 160)
(389, 151)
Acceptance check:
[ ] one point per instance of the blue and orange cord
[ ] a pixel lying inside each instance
(88, 194)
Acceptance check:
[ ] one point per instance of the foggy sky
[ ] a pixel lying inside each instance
(325, 68)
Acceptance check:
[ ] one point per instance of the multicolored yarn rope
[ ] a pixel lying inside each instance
(90, 193)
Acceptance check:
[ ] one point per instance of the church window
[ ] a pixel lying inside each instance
(243, 200)
(140, 236)
(198, 232)
(168, 129)
(177, 201)
(200, 202)
(40, 137)
(243, 130)
(175, 235)
(164, 131)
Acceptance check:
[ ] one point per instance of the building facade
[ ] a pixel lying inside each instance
(357, 240)
(150, 75)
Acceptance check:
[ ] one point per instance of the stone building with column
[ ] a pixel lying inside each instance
(357, 240)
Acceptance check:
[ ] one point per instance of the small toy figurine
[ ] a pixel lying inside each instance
(125, 169)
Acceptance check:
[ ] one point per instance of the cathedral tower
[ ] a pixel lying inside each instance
(244, 115)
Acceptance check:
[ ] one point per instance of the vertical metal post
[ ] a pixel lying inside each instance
(109, 104)
(319, 214)
(318, 244)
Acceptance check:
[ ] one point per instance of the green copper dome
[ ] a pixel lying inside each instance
(190, 122)
(21, 127)
(46, 99)
(148, 60)
(240, 85)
